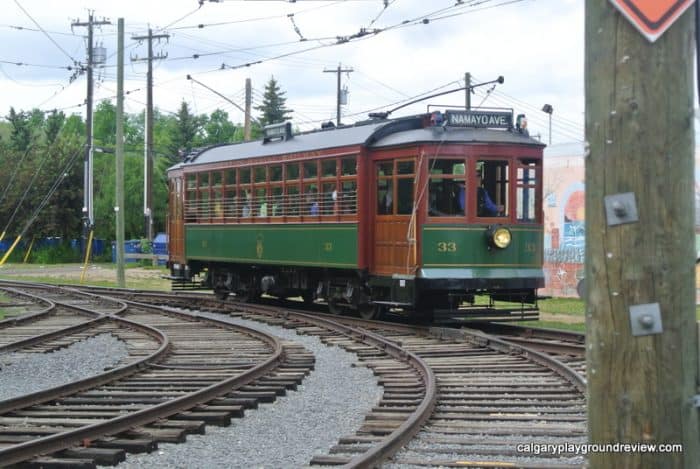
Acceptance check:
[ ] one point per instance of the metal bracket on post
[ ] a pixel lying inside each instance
(621, 208)
(645, 319)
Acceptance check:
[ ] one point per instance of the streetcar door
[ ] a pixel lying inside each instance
(176, 228)
(394, 250)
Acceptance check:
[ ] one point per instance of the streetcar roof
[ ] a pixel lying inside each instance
(375, 134)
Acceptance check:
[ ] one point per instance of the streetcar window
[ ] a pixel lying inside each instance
(230, 177)
(245, 175)
(216, 178)
(276, 172)
(385, 197)
(230, 203)
(404, 193)
(311, 201)
(292, 206)
(526, 194)
(385, 168)
(218, 203)
(329, 199)
(261, 201)
(349, 166)
(491, 188)
(292, 171)
(260, 173)
(446, 189)
(348, 197)
(310, 170)
(246, 203)
(203, 212)
(191, 181)
(404, 167)
(328, 168)
(277, 201)
(203, 179)
(191, 206)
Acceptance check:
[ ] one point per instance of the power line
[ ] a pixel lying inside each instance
(45, 33)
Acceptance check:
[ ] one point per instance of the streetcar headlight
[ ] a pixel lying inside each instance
(499, 236)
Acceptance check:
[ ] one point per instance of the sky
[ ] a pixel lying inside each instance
(412, 47)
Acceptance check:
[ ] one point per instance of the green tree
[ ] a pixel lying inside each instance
(185, 130)
(104, 120)
(20, 134)
(273, 106)
(219, 129)
(52, 126)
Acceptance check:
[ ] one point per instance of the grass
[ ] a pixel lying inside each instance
(69, 274)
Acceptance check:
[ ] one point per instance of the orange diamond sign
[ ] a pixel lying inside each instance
(652, 17)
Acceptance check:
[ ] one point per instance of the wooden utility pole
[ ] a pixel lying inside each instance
(468, 91)
(642, 354)
(148, 134)
(88, 213)
(119, 203)
(246, 114)
(338, 71)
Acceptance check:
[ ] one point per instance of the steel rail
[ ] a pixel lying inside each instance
(503, 346)
(66, 330)
(391, 443)
(57, 442)
(13, 321)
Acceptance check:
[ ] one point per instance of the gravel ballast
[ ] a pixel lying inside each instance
(330, 403)
(25, 373)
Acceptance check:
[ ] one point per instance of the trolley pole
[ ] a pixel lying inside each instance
(641, 331)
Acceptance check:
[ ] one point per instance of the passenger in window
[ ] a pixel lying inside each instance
(485, 206)
(460, 195)
(263, 209)
(246, 207)
(387, 204)
(313, 202)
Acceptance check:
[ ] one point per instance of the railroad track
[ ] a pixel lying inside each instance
(184, 372)
(450, 397)
(491, 394)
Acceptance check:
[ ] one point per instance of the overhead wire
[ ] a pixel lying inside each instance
(45, 32)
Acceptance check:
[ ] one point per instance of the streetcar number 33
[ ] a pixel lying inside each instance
(446, 247)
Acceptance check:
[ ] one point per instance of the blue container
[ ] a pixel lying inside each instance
(132, 246)
(160, 244)
(98, 247)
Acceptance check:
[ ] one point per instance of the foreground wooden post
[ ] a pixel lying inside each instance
(639, 127)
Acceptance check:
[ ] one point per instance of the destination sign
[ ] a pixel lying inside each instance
(482, 119)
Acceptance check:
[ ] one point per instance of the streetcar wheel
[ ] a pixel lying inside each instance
(247, 296)
(334, 307)
(221, 295)
(308, 297)
(369, 311)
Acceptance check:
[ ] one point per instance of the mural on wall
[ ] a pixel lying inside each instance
(565, 218)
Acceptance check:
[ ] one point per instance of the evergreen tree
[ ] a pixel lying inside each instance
(52, 126)
(20, 134)
(186, 130)
(219, 129)
(273, 106)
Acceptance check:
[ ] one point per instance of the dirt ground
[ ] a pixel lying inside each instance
(72, 272)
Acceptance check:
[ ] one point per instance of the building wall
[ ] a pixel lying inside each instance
(565, 215)
(564, 219)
